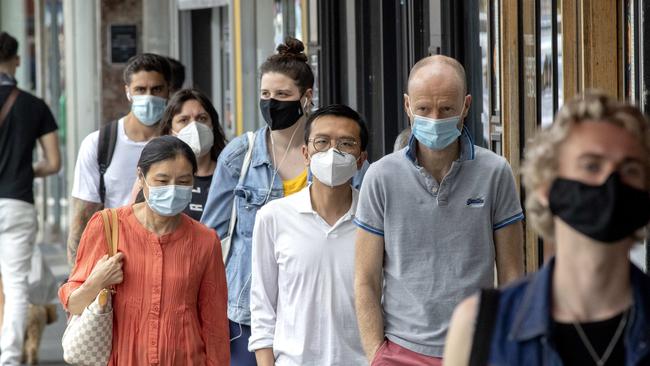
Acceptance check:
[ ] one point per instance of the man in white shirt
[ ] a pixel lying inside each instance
(302, 290)
(146, 78)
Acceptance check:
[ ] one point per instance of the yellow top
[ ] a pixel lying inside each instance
(294, 185)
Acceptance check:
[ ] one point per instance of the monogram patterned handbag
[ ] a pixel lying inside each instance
(87, 340)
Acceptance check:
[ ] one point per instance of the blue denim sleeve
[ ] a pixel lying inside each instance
(218, 206)
(357, 180)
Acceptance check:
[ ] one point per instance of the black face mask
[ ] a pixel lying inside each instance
(280, 114)
(606, 213)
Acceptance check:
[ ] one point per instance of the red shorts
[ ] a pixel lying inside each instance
(391, 354)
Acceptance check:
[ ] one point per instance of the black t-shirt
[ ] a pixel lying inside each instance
(199, 196)
(573, 351)
(29, 119)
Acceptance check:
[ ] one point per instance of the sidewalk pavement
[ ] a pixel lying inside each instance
(51, 353)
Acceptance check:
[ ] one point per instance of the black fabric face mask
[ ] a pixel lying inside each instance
(280, 114)
(606, 213)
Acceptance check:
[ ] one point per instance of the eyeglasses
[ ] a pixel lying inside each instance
(322, 144)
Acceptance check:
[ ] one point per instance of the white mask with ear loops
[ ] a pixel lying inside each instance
(198, 136)
(332, 167)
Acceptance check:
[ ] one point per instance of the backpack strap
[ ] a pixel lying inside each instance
(8, 104)
(105, 150)
(485, 320)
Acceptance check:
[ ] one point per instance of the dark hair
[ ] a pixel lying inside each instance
(161, 149)
(174, 107)
(339, 110)
(147, 62)
(292, 62)
(165, 148)
(177, 74)
(8, 47)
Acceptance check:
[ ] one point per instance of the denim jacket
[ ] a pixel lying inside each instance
(523, 330)
(249, 197)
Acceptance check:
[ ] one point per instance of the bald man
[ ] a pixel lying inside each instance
(433, 219)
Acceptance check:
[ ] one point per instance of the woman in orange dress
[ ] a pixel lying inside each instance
(170, 289)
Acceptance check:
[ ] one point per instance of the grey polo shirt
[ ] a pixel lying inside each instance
(438, 238)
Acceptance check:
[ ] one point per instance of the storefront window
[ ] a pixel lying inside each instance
(560, 74)
(489, 35)
(485, 67)
(297, 30)
(278, 24)
(546, 61)
(630, 52)
(226, 83)
(496, 57)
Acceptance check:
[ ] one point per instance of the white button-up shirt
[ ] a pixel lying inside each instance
(302, 289)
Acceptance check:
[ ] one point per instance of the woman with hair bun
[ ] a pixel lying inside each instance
(276, 170)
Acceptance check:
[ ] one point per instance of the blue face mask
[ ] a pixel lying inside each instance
(168, 200)
(148, 108)
(436, 134)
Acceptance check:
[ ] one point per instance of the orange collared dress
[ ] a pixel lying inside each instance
(171, 307)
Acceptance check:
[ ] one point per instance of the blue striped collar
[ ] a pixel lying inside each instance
(467, 151)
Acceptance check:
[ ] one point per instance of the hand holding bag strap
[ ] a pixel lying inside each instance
(225, 243)
(485, 321)
(8, 104)
(87, 339)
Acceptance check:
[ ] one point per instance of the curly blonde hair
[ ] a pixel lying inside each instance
(541, 157)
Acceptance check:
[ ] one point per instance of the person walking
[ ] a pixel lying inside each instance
(191, 117)
(302, 298)
(24, 121)
(276, 170)
(106, 163)
(170, 288)
(435, 219)
(587, 181)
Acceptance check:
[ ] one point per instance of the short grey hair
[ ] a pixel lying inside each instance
(437, 60)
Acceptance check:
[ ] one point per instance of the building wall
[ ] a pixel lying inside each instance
(113, 99)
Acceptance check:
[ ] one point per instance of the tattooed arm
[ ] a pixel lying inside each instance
(82, 211)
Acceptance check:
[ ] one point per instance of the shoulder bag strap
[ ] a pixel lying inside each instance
(111, 225)
(485, 320)
(8, 104)
(107, 232)
(114, 233)
(242, 175)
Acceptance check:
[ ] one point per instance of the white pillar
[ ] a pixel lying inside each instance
(82, 74)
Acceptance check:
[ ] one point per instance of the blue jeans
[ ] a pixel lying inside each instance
(239, 355)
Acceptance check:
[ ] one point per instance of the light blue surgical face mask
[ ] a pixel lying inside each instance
(436, 134)
(148, 108)
(168, 200)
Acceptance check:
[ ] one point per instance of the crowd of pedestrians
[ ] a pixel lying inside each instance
(286, 246)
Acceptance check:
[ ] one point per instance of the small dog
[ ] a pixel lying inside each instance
(38, 316)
